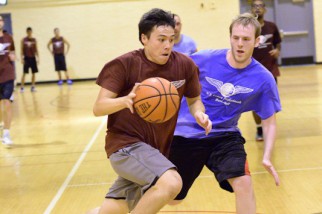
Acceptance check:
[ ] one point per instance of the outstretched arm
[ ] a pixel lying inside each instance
(197, 109)
(269, 129)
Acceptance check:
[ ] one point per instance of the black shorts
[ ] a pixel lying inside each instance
(224, 155)
(30, 62)
(6, 90)
(60, 62)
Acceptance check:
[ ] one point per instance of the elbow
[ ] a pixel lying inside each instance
(96, 112)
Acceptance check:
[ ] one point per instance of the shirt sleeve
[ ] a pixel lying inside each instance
(112, 77)
(193, 88)
(268, 101)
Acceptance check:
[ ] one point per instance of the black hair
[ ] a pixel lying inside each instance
(155, 17)
(29, 29)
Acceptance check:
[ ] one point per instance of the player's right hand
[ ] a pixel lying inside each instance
(129, 98)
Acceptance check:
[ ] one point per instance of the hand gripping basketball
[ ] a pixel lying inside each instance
(157, 100)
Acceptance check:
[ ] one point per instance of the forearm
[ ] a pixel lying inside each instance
(108, 106)
(269, 130)
(195, 106)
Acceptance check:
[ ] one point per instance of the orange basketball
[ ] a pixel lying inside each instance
(157, 100)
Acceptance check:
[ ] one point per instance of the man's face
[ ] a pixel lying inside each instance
(177, 29)
(29, 33)
(1, 23)
(243, 42)
(56, 32)
(258, 8)
(158, 47)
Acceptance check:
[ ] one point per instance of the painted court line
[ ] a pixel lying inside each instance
(202, 176)
(74, 169)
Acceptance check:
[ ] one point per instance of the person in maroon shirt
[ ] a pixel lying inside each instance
(58, 51)
(7, 76)
(137, 149)
(29, 59)
(267, 51)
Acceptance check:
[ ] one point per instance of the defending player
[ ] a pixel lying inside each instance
(232, 83)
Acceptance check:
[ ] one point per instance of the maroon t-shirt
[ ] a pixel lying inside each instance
(6, 66)
(58, 45)
(120, 76)
(29, 47)
(269, 38)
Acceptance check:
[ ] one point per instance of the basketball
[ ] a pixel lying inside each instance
(157, 100)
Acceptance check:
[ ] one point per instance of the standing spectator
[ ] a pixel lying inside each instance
(29, 59)
(58, 51)
(182, 43)
(267, 51)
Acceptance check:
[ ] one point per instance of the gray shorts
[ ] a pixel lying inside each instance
(139, 166)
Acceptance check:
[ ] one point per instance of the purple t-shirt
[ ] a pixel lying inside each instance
(186, 45)
(227, 92)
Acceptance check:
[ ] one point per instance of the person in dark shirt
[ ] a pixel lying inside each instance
(137, 149)
(29, 59)
(58, 51)
(267, 51)
(7, 77)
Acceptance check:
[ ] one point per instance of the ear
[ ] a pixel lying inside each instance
(257, 40)
(144, 39)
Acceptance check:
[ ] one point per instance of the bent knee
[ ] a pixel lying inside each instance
(170, 181)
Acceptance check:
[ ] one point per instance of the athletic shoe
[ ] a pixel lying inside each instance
(6, 140)
(60, 82)
(22, 90)
(69, 82)
(33, 89)
(259, 134)
(259, 137)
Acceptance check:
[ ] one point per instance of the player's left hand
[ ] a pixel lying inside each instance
(275, 53)
(270, 168)
(203, 121)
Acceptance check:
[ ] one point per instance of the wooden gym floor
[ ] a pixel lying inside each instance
(58, 163)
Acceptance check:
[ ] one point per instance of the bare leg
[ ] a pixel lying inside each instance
(66, 75)
(257, 119)
(33, 80)
(259, 129)
(164, 191)
(7, 117)
(245, 198)
(23, 80)
(59, 75)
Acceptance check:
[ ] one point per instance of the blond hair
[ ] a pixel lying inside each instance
(246, 19)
